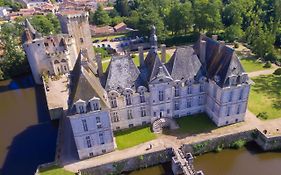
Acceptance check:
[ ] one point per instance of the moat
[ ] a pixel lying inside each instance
(28, 139)
(27, 135)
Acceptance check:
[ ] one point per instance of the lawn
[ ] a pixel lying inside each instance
(55, 170)
(109, 37)
(265, 96)
(195, 124)
(132, 137)
(251, 64)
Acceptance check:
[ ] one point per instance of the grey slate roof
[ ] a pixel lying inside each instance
(121, 73)
(220, 60)
(184, 64)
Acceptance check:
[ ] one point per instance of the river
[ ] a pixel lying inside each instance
(27, 136)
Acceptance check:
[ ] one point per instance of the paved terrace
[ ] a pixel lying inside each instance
(57, 93)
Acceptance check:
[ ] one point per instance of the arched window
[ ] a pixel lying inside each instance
(56, 62)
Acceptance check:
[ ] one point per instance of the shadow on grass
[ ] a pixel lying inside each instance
(270, 86)
(192, 125)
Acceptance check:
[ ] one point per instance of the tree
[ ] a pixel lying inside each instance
(100, 17)
(54, 20)
(207, 15)
(122, 6)
(42, 24)
(263, 43)
(13, 61)
(233, 32)
(133, 20)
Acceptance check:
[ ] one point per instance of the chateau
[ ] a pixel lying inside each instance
(206, 77)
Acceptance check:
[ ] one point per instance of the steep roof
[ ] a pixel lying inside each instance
(219, 60)
(121, 73)
(30, 32)
(184, 64)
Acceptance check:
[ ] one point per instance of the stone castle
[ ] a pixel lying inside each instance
(206, 77)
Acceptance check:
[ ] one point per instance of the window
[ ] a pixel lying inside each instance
(177, 91)
(188, 103)
(113, 102)
(98, 119)
(241, 94)
(228, 111)
(201, 87)
(115, 117)
(230, 96)
(81, 40)
(128, 99)
(200, 100)
(168, 111)
(131, 125)
(96, 106)
(99, 125)
(65, 69)
(85, 126)
(143, 112)
(189, 89)
(129, 113)
(91, 154)
(154, 114)
(88, 141)
(144, 123)
(142, 97)
(238, 109)
(101, 138)
(161, 95)
(177, 105)
(81, 109)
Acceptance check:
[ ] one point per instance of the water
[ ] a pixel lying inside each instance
(245, 161)
(27, 136)
(164, 169)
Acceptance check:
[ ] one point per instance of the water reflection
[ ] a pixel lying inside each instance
(27, 136)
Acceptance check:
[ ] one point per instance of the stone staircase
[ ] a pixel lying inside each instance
(161, 123)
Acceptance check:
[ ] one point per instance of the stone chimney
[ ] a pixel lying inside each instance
(202, 55)
(99, 62)
(222, 44)
(141, 56)
(215, 37)
(163, 53)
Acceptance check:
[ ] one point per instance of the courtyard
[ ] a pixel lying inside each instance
(265, 96)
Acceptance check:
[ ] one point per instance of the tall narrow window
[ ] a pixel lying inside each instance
(238, 109)
(230, 96)
(241, 94)
(98, 121)
(161, 95)
(189, 89)
(130, 115)
(85, 126)
(177, 91)
(88, 141)
(142, 97)
(188, 103)
(200, 100)
(113, 102)
(143, 112)
(177, 105)
(115, 117)
(128, 99)
(96, 106)
(81, 109)
(101, 136)
(228, 111)
(202, 87)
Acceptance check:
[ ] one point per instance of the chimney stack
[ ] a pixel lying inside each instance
(141, 56)
(163, 53)
(215, 37)
(202, 50)
(99, 62)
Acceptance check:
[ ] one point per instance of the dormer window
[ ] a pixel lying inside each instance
(142, 97)
(95, 104)
(80, 107)
(243, 78)
(128, 99)
(113, 102)
(232, 80)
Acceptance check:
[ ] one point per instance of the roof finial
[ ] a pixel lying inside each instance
(153, 38)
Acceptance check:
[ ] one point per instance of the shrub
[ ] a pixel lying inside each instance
(236, 45)
(262, 115)
(219, 148)
(267, 64)
(277, 71)
(238, 144)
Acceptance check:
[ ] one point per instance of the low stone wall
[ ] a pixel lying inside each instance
(211, 144)
(268, 143)
(131, 164)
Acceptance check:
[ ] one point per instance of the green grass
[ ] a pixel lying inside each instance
(109, 37)
(265, 96)
(132, 137)
(195, 124)
(251, 64)
(55, 170)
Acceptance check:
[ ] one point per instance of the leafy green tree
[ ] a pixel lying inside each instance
(42, 24)
(122, 6)
(133, 20)
(207, 15)
(54, 20)
(263, 43)
(100, 17)
(233, 32)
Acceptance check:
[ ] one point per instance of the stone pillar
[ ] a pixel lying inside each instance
(163, 53)
(99, 62)
(141, 56)
(215, 37)
(203, 50)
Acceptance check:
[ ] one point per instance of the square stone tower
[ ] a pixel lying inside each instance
(76, 24)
